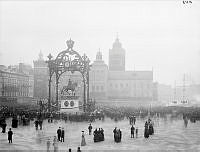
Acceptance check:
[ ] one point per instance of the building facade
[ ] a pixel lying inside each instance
(40, 78)
(15, 86)
(114, 83)
(98, 78)
(106, 82)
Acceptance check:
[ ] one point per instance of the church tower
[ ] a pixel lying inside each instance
(98, 78)
(40, 77)
(117, 57)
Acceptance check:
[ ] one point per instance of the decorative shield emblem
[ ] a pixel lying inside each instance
(66, 103)
(72, 103)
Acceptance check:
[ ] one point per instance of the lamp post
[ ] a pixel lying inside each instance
(88, 88)
(85, 81)
(50, 76)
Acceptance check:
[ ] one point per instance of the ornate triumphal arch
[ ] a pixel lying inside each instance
(69, 60)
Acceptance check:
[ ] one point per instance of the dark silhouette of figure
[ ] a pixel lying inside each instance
(90, 129)
(50, 118)
(62, 135)
(98, 135)
(146, 130)
(3, 125)
(117, 135)
(59, 133)
(132, 131)
(151, 130)
(134, 120)
(14, 122)
(40, 124)
(115, 131)
(185, 122)
(131, 120)
(10, 133)
(136, 132)
(78, 149)
(36, 124)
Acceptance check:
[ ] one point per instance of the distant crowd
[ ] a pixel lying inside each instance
(24, 117)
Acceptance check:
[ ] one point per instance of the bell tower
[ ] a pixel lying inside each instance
(117, 57)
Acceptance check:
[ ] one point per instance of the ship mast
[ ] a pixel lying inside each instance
(183, 87)
(175, 91)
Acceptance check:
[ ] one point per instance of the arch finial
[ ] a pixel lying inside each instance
(70, 44)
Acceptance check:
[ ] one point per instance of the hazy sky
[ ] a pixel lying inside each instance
(164, 35)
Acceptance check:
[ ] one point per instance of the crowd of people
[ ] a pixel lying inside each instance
(25, 117)
(117, 135)
(149, 130)
(98, 135)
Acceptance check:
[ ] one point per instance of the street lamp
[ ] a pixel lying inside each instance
(50, 64)
(86, 67)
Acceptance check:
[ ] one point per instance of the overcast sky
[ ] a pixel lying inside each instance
(164, 35)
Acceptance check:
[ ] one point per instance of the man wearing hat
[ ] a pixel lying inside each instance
(59, 133)
(62, 135)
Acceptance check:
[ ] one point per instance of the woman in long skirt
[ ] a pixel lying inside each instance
(83, 143)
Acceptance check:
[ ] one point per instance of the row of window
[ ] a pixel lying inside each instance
(98, 88)
(98, 71)
(14, 94)
(13, 81)
(121, 85)
(13, 75)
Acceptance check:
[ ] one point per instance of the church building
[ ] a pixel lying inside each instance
(112, 82)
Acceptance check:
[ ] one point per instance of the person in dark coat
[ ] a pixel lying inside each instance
(95, 133)
(151, 130)
(78, 149)
(146, 130)
(40, 123)
(90, 129)
(14, 122)
(10, 133)
(59, 133)
(132, 131)
(51, 118)
(114, 131)
(62, 135)
(3, 125)
(36, 124)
